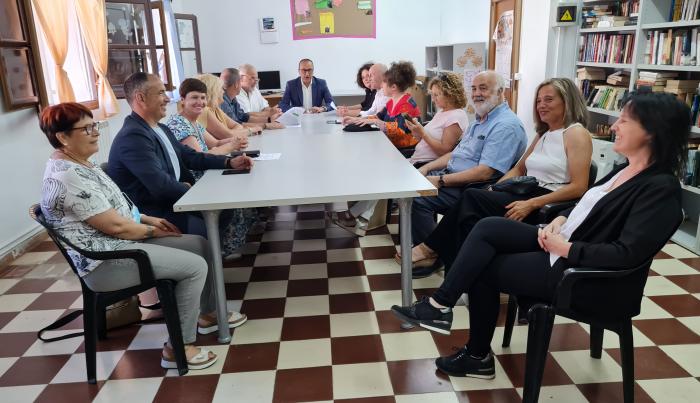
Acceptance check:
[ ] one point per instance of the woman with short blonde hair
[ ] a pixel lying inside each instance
(214, 120)
(443, 132)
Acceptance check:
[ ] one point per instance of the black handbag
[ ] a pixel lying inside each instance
(517, 185)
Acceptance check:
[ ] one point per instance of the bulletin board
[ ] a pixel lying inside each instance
(314, 19)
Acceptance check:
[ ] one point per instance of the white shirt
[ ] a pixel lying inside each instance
(308, 95)
(171, 151)
(548, 161)
(379, 103)
(581, 211)
(253, 102)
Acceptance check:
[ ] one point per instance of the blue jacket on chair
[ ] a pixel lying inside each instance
(139, 164)
(293, 95)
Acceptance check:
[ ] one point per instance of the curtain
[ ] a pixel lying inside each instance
(93, 25)
(53, 17)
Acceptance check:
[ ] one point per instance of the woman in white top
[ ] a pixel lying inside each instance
(620, 223)
(442, 133)
(559, 157)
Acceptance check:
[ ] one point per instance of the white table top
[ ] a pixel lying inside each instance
(319, 164)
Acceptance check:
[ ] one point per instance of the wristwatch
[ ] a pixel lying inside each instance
(324, 108)
(441, 181)
(269, 119)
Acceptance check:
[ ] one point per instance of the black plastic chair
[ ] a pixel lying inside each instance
(604, 299)
(94, 303)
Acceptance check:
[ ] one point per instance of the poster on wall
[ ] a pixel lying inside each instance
(469, 60)
(503, 38)
(315, 19)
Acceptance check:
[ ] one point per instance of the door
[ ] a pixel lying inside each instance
(504, 44)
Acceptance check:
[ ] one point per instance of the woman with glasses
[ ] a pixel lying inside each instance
(83, 204)
(442, 133)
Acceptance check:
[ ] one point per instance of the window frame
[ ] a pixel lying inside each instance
(195, 31)
(152, 48)
(29, 44)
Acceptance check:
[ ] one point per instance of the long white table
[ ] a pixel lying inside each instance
(319, 164)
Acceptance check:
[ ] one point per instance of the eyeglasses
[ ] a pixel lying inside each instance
(306, 70)
(89, 129)
(255, 79)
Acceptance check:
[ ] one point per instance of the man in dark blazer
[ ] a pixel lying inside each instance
(307, 91)
(150, 165)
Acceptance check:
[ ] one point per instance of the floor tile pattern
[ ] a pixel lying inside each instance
(319, 329)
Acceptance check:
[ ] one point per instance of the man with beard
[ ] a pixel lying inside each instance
(489, 148)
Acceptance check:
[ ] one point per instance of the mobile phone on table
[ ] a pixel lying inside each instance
(236, 171)
(250, 153)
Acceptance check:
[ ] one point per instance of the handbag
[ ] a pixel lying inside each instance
(517, 185)
(122, 313)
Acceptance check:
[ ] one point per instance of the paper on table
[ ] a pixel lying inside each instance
(268, 157)
(292, 116)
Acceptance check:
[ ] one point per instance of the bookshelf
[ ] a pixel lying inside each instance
(652, 15)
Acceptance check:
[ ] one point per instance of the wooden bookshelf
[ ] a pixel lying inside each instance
(618, 66)
(672, 24)
(604, 111)
(608, 29)
(667, 67)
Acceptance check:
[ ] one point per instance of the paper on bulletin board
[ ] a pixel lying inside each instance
(316, 19)
(327, 23)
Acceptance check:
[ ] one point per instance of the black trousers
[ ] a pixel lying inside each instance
(473, 205)
(499, 255)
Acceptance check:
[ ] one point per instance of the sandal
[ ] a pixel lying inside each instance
(235, 319)
(203, 359)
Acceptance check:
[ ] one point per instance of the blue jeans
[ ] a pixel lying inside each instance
(424, 209)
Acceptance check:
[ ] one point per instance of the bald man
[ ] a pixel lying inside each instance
(376, 76)
(250, 98)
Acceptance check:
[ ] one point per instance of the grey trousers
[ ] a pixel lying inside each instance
(183, 259)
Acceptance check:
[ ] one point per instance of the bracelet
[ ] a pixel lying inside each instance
(149, 231)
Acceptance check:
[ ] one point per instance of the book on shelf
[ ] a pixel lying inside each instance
(682, 84)
(607, 97)
(590, 73)
(684, 10)
(619, 14)
(619, 78)
(606, 48)
(672, 47)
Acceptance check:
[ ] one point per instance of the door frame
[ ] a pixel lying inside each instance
(515, 57)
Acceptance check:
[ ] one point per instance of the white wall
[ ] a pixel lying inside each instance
(229, 36)
(24, 154)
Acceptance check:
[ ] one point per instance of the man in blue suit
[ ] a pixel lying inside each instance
(150, 165)
(307, 91)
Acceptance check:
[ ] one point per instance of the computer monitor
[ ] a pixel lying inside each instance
(269, 80)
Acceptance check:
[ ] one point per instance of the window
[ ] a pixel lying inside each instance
(77, 63)
(17, 63)
(137, 41)
(188, 37)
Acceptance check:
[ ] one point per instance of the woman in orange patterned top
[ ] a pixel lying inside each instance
(397, 80)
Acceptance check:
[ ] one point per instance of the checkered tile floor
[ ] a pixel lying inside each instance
(320, 330)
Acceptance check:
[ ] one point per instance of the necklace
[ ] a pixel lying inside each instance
(85, 163)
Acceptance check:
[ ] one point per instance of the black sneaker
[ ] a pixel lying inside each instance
(462, 364)
(423, 314)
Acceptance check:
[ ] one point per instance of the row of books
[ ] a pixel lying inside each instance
(608, 97)
(682, 10)
(606, 48)
(654, 81)
(672, 47)
(610, 15)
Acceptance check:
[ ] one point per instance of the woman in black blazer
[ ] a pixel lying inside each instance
(624, 220)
